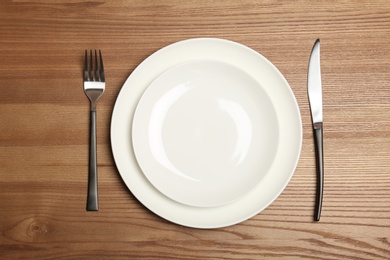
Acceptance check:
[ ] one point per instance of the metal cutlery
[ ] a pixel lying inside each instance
(315, 99)
(94, 86)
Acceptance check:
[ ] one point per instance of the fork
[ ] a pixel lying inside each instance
(94, 86)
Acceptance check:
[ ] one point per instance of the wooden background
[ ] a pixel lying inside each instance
(44, 128)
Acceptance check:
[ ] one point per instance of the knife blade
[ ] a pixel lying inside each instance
(315, 99)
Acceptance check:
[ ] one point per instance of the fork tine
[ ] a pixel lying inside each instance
(102, 76)
(97, 77)
(91, 76)
(86, 66)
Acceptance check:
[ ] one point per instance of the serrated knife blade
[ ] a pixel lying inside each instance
(315, 100)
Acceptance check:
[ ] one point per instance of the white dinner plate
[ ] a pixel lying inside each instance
(205, 133)
(286, 118)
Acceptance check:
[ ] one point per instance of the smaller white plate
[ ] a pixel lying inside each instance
(205, 133)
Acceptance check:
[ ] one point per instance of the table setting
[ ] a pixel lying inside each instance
(192, 130)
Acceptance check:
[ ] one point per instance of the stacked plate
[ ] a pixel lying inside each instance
(206, 133)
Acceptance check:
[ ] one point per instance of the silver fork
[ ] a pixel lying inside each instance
(94, 85)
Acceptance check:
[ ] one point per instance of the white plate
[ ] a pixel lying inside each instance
(287, 117)
(205, 133)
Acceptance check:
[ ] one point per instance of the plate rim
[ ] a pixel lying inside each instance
(128, 168)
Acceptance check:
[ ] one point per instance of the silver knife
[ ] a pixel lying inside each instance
(315, 99)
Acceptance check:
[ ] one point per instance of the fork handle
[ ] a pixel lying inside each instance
(320, 170)
(92, 199)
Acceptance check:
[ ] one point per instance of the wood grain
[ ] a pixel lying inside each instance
(44, 128)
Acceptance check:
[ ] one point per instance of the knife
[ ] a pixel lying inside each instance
(315, 100)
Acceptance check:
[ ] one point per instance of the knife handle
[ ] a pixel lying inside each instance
(320, 168)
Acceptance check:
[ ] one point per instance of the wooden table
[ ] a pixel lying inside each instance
(44, 128)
